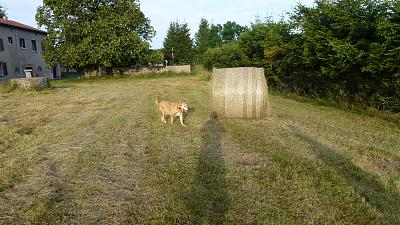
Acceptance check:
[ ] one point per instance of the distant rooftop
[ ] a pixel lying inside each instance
(14, 24)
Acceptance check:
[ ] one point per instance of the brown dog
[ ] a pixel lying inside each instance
(173, 109)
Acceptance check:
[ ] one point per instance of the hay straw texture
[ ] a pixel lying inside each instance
(240, 92)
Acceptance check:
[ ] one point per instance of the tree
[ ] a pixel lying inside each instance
(345, 50)
(155, 57)
(333, 47)
(91, 34)
(215, 39)
(265, 44)
(231, 31)
(228, 55)
(2, 12)
(202, 39)
(383, 61)
(228, 32)
(178, 46)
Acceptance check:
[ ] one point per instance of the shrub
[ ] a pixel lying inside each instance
(226, 56)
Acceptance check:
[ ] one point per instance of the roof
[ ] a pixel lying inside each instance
(14, 24)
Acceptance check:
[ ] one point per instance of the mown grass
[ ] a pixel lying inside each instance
(115, 77)
(344, 105)
(96, 152)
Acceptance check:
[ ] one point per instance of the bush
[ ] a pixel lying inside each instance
(201, 73)
(154, 58)
(227, 56)
(339, 49)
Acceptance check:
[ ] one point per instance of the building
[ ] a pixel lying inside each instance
(20, 52)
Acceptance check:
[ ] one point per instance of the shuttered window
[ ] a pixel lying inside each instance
(34, 48)
(1, 45)
(22, 43)
(3, 69)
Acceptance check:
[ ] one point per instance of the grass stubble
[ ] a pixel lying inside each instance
(88, 152)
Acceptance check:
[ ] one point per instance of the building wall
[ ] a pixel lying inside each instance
(18, 59)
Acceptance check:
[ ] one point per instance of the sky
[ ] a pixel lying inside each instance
(161, 13)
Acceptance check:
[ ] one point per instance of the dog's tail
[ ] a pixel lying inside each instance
(157, 101)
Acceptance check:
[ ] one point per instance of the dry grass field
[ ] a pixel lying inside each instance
(96, 152)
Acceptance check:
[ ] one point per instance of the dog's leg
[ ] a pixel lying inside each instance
(181, 119)
(163, 118)
(172, 119)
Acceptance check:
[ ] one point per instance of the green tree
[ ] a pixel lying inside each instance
(265, 44)
(155, 57)
(178, 46)
(202, 39)
(228, 55)
(231, 31)
(215, 38)
(383, 60)
(346, 50)
(90, 34)
(228, 32)
(170, 42)
(2, 12)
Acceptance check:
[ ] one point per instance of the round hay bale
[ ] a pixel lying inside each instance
(35, 83)
(240, 92)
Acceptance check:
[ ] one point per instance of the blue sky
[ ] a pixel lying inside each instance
(161, 13)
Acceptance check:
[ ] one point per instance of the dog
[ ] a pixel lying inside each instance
(173, 109)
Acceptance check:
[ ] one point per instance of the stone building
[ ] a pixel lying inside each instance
(20, 52)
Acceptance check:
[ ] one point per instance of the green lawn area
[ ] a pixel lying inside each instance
(96, 152)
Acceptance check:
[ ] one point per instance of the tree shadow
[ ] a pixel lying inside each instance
(386, 200)
(208, 200)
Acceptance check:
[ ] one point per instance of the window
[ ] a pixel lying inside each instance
(3, 69)
(22, 43)
(10, 40)
(1, 45)
(34, 49)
